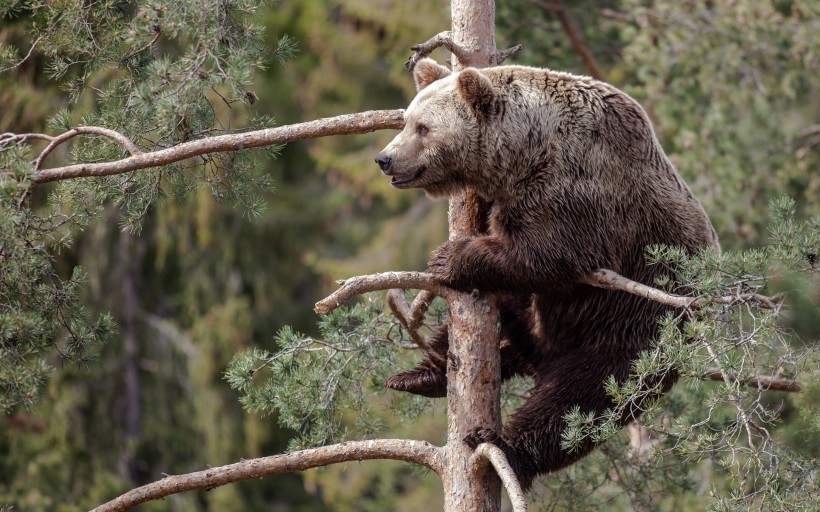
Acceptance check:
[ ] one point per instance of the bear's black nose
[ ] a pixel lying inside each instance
(384, 162)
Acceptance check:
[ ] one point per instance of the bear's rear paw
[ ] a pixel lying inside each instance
(484, 435)
(420, 381)
(522, 467)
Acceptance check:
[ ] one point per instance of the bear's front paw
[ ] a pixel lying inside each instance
(447, 263)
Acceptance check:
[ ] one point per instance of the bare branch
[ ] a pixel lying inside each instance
(576, 38)
(8, 139)
(485, 454)
(371, 283)
(417, 452)
(444, 39)
(85, 130)
(617, 16)
(766, 382)
(610, 280)
(498, 58)
(362, 122)
(419, 307)
(402, 311)
(158, 32)
(24, 59)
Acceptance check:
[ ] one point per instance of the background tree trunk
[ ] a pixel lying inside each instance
(473, 364)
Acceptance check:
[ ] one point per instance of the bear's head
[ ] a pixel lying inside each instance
(440, 148)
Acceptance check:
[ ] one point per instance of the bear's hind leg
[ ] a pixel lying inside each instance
(531, 439)
(518, 351)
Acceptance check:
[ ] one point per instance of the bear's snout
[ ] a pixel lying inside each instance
(384, 162)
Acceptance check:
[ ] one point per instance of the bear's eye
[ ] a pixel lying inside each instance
(422, 129)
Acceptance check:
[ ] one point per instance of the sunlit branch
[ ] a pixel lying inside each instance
(489, 454)
(610, 280)
(349, 124)
(374, 282)
(417, 452)
(405, 314)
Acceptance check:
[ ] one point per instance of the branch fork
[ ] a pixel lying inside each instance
(464, 55)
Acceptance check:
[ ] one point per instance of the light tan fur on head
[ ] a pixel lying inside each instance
(477, 91)
(428, 71)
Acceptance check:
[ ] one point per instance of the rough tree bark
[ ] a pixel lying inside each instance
(473, 362)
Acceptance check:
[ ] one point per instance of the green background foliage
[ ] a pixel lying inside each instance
(132, 307)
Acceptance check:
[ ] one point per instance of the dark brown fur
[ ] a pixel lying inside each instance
(577, 182)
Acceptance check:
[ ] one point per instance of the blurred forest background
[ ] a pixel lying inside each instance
(731, 86)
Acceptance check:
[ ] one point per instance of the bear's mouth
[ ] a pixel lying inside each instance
(405, 179)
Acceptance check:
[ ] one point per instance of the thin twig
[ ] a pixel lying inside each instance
(402, 311)
(444, 39)
(498, 58)
(417, 452)
(144, 47)
(610, 280)
(765, 382)
(86, 130)
(362, 122)
(485, 454)
(575, 35)
(24, 59)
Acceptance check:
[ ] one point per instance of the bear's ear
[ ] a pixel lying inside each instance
(428, 71)
(477, 91)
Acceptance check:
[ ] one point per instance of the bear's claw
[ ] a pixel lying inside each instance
(420, 381)
(484, 435)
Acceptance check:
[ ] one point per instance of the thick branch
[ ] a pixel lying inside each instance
(362, 122)
(766, 382)
(417, 452)
(600, 278)
(374, 282)
(490, 454)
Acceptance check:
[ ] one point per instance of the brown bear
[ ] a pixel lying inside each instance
(577, 181)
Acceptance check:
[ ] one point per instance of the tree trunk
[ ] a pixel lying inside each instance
(473, 363)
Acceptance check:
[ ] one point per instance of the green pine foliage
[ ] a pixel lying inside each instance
(40, 311)
(327, 388)
(736, 425)
(160, 73)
